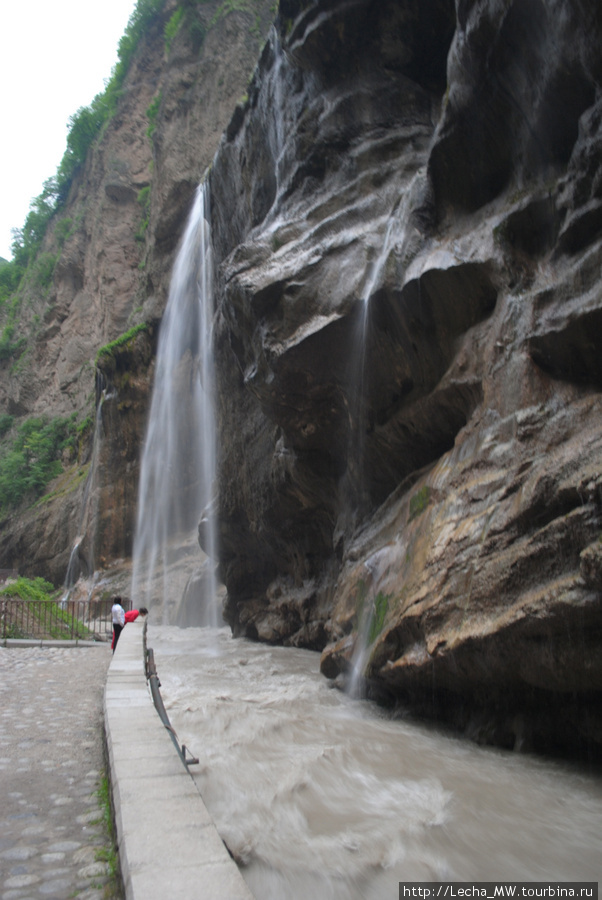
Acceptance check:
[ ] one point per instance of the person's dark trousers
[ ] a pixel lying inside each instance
(117, 629)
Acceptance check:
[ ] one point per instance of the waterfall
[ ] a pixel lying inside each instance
(178, 462)
(89, 508)
(394, 241)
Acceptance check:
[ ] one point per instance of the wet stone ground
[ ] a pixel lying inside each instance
(53, 837)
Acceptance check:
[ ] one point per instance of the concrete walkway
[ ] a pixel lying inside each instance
(51, 763)
(168, 844)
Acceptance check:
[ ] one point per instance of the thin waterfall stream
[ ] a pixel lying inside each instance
(89, 506)
(394, 236)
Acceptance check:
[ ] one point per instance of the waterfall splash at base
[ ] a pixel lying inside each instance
(178, 463)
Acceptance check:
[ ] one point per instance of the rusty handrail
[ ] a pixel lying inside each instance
(155, 684)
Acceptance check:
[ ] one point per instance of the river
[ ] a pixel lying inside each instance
(323, 797)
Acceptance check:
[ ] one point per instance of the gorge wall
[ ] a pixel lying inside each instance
(114, 243)
(406, 206)
(407, 214)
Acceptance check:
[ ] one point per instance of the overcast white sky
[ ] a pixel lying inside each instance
(55, 57)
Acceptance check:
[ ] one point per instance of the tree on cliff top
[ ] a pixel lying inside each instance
(84, 127)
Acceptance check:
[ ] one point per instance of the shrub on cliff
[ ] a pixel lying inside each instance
(87, 122)
(34, 458)
(6, 423)
(10, 275)
(84, 127)
(29, 589)
(37, 614)
(121, 341)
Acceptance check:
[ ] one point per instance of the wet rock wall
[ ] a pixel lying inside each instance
(405, 211)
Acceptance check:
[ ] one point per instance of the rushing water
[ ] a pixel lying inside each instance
(178, 460)
(320, 796)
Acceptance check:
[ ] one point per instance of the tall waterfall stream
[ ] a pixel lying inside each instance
(317, 795)
(178, 460)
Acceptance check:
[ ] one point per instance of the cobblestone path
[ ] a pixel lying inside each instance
(51, 766)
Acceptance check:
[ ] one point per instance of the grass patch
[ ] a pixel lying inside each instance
(63, 230)
(108, 854)
(151, 115)
(380, 610)
(71, 483)
(42, 271)
(419, 502)
(29, 589)
(171, 29)
(123, 339)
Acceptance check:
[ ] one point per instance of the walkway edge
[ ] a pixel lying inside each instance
(168, 844)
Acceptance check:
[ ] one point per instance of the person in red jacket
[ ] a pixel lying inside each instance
(131, 616)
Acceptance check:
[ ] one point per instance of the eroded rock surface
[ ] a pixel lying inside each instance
(406, 217)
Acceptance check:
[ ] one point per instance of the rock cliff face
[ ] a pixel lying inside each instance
(407, 214)
(114, 245)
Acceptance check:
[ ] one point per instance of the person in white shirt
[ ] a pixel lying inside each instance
(118, 619)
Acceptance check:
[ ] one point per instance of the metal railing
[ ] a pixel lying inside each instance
(155, 684)
(46, 620)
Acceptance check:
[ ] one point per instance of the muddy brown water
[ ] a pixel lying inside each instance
(318, 795)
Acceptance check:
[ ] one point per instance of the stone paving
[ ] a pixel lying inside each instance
(51, 766)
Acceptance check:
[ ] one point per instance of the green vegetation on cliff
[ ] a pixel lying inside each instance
(26, 280)
(6, 423)
(33, 457)
(29, 589)
(120, 341)
(171, 28)
(187, 17)
(84, 127)
(86, 124)
(38, 615)
(419, 502)
(380, 609)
